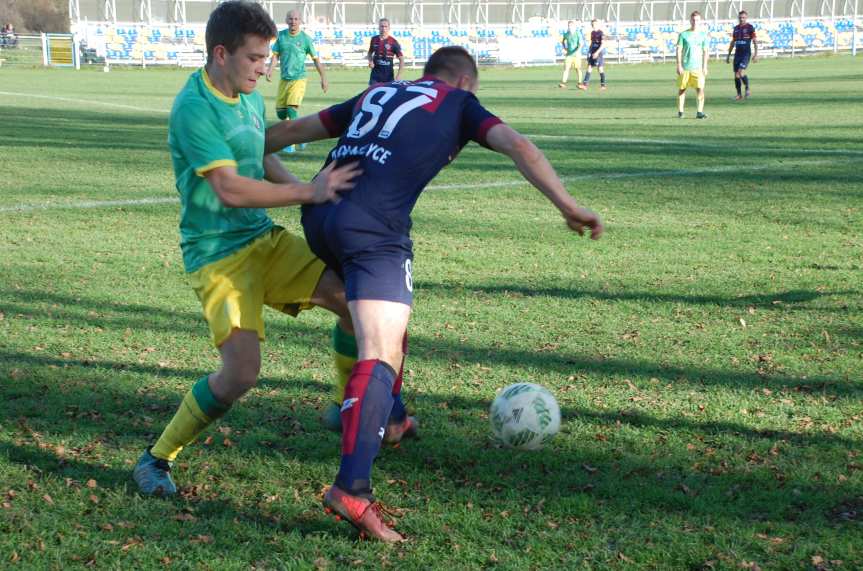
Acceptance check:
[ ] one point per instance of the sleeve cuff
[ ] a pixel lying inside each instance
(201, 171)
(484, 128)
(329, 124)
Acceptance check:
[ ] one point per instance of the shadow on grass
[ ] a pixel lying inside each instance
(454, 463)
(119, 316)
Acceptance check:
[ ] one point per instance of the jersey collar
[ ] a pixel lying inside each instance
(215, 92)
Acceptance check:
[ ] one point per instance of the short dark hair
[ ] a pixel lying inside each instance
(740, 13)
(231, 21)
(451, 61)
(695, 13)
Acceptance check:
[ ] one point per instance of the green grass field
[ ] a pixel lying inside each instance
(706, 353)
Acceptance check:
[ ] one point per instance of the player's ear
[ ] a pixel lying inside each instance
(219, 54)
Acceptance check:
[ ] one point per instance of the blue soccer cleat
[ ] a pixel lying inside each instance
(289, 149)
(153, 476)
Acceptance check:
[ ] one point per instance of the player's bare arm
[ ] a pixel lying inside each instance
(319, 66)
(238, 191)
(401, 67)
(754, 50)
(679, 60)
(275, 171)
(730, 49)
(274, 61)
(536, 169)
(303, 130)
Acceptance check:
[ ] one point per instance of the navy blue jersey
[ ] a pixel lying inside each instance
(743, 35)
(402, 133)
(382, 52)
(595, 41)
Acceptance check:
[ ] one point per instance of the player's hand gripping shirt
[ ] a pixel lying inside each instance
(292, 50)
(402, 133)
(693, 48)
(743, 34)
(383, 51)
(208, 130)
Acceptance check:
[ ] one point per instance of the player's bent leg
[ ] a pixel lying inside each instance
(208, 400)
(241, 363)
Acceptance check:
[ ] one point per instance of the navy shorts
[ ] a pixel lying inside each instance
(741, 61)
(374, 261)
(596, 61)
(381, 75)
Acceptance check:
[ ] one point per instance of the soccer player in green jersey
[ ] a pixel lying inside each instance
(571, 43)
(237, 260)
(289, 51)
(692, 56)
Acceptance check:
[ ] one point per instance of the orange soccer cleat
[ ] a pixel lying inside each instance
(364, 514)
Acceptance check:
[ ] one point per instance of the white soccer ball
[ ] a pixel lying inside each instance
(524, 416)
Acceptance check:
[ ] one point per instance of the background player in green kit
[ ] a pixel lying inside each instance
(237, 260)
(290, 50)
(571, 42)
(692, 56)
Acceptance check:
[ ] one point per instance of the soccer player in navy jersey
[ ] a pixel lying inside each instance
(382, 50)
(595, 56)
(744, 45)
(401, 134)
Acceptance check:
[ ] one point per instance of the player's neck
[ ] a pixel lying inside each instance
(219, 81)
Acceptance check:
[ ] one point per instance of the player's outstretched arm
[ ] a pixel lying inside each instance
(275, 171)
(238, 191)
(536, 169)
(303, 130)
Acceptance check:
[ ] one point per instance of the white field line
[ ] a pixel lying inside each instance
(89, 204)
(690, 143)
(87, 102)
(586, 138)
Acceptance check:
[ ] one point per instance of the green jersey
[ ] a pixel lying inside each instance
(571, 43)
(292, 50)
(694, 48)
(208, 130)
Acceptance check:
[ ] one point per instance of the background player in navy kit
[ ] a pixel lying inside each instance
(742, 43)
(595, 55)
(402, 134)
(382, 49)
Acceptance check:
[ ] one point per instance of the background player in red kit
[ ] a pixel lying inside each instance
(401, 134)
(742, 42)
(382, 50)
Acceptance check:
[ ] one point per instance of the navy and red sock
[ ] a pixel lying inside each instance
(367, 406)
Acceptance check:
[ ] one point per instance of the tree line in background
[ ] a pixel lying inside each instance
(35, 15)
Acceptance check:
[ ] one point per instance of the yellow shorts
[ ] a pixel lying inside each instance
(572, 61)
(690, 79)
(291, 93)
(277, 269)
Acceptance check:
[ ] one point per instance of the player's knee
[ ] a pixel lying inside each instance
(282, 114)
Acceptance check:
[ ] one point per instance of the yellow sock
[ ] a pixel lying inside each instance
(345, 347)
(197, 411)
